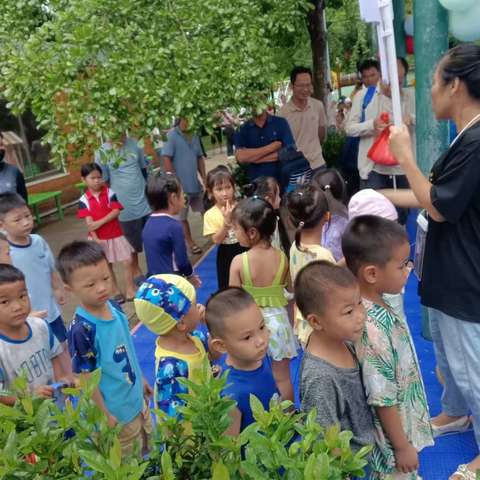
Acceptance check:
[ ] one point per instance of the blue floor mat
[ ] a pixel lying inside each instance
(437, 462)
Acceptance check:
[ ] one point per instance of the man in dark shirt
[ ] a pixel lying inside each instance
(11, 178)
(257, 144)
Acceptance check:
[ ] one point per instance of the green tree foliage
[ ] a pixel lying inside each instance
(348, 35)
(92, 69)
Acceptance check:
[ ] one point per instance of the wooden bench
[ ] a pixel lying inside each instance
(35, 199)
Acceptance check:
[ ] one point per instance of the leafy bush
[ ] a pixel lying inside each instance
(332, 148)
(36, 441)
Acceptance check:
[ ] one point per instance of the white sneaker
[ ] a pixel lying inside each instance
(458, 426)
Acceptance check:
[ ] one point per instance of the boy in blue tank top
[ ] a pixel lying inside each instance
(238, 331)
(99, 337)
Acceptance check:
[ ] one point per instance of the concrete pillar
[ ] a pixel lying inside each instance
(398, 21)
(431, 42)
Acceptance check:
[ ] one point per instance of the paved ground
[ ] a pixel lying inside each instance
(58, 233)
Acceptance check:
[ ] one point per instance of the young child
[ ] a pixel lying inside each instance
(100, 209)
(163, 236)
(263, 272)
(377, 252)
(269, 189)
(238, 330)
(330, 380)
(371, 202)
(217, 221)
(27, 345)
(4, 250)
(31, 254)
(166, 305)
(331, 182)
(99, 337)
(308, 209)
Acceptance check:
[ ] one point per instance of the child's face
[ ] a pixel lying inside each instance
(275, 199)
(18, 223)
(242, 236)
(92, 284)
(192, 318)
(94, 181)
(344, 315)
(176, 202)
(245, 338)
(394, 274)
(223, 193)
(14, 306)
(5, 252)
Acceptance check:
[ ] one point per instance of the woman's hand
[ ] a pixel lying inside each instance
(400, 144)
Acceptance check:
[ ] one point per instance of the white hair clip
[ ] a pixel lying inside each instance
(301, 224)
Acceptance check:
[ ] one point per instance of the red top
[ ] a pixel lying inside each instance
(99, 207)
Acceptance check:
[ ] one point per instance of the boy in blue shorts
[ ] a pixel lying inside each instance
(99, 337)
(238, 330)
(31, 254)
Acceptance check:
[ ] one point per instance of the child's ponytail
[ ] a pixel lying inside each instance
(307, 207)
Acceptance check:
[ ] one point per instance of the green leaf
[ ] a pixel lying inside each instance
(116, 453)
(220, 471)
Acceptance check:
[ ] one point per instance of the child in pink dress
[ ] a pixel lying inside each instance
(100, 209)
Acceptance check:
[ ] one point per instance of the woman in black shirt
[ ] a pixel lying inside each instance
(450, 286)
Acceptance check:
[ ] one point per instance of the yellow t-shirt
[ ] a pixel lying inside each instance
(298, 259)
(213, 223)
(169, 367)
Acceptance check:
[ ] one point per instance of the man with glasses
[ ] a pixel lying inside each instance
(306, 117)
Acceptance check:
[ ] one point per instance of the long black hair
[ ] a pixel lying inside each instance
(463, 62)
(257, 213)
(307, 207)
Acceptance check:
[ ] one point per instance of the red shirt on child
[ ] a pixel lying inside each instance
(97, 207)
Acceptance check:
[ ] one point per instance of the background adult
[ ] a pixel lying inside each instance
(257, 143)
(367, 124)
(369, 71)
(450, 285)
(125, 170)
(306, 117)
(11, 178)
(183, 155)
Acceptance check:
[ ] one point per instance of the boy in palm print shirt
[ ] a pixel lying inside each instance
(377, 251)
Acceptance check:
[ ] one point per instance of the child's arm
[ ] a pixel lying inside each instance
(180, 250)
(406, 457)
(235, 278)
(57, 286)
(219, 236)
(234, 429)
(95, 225)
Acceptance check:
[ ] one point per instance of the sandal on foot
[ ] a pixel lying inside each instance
(464, 473)
(195, 249)
(457, 426)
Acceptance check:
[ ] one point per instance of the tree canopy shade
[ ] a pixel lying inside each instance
(92, 69)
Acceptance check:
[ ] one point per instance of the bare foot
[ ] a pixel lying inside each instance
(444, 419)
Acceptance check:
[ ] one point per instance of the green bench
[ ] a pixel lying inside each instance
(81, 186)
(35, 199)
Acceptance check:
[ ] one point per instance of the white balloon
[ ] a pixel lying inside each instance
(408, 25)
(465, 26)
(457, 5)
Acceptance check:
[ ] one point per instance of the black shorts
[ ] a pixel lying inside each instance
(133, 232)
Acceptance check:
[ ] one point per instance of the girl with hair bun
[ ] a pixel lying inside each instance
(309, 211)
(263, 272)
(332, 184)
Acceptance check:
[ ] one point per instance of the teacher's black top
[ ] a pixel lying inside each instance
(451, 268)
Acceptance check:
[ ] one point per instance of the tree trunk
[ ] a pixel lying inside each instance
(318, 40)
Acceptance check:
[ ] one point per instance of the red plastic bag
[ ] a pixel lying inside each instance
(380, 152)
